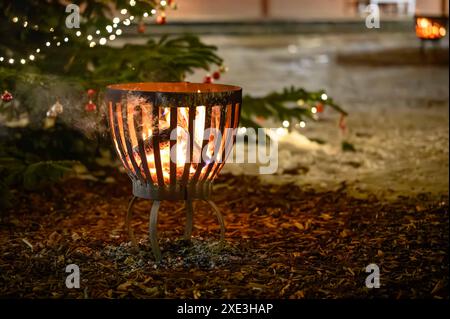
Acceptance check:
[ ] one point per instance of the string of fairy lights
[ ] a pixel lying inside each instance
(110, 33)
(112, 30)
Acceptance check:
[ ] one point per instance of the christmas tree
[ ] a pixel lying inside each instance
(55, 61)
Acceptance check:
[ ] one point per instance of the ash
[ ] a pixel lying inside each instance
(198, 253)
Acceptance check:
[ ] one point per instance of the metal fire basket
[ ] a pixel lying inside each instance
(173, 139)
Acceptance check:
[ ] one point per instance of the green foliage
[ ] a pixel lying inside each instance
(166, 59)
(283, 105)
(39, 174)
(34, 158)
(51, 15)
(18, 173)
(57, 143)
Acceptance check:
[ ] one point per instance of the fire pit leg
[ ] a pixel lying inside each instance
(189, 213)
(152, 230)
(422, 48)
(128, 221)
(219, 219)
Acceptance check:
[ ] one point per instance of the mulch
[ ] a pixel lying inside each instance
(281, 242)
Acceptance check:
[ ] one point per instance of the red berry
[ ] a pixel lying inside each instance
(91, 92)
(207, 79)
(6, 96)
(216, 75)
(161, 20)
(90, 107)
(319, 107)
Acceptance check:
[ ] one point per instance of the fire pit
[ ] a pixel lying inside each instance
(172, 139)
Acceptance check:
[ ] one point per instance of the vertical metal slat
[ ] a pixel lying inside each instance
(155, 138)
(118, 137)
(207, 125)
(127, 137)
(217, 143)
(173, 143)
(138, 129)
(226, 146)
(190, 150)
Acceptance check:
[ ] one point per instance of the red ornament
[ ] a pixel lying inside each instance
(6, 96)
(207, 79)
(141, 27)
(319, 107)
(91, 92)
(216, 75)
(169, 2)
(90, 107)
(161, 19)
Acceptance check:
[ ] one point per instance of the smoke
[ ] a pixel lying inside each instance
(36, 97)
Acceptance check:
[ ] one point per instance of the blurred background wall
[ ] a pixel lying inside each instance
(300, 10)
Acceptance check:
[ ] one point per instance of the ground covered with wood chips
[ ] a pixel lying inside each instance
(281, 242)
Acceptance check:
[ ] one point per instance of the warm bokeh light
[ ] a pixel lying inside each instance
(429, 29)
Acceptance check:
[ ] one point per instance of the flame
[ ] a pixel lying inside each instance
(182, 141)
(428, 29)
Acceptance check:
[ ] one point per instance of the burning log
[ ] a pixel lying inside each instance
(163, 138)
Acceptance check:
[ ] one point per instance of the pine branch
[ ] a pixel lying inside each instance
(284, 105)
(168, 59)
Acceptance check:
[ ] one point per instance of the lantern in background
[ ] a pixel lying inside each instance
(431, 27)
(173, 139)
